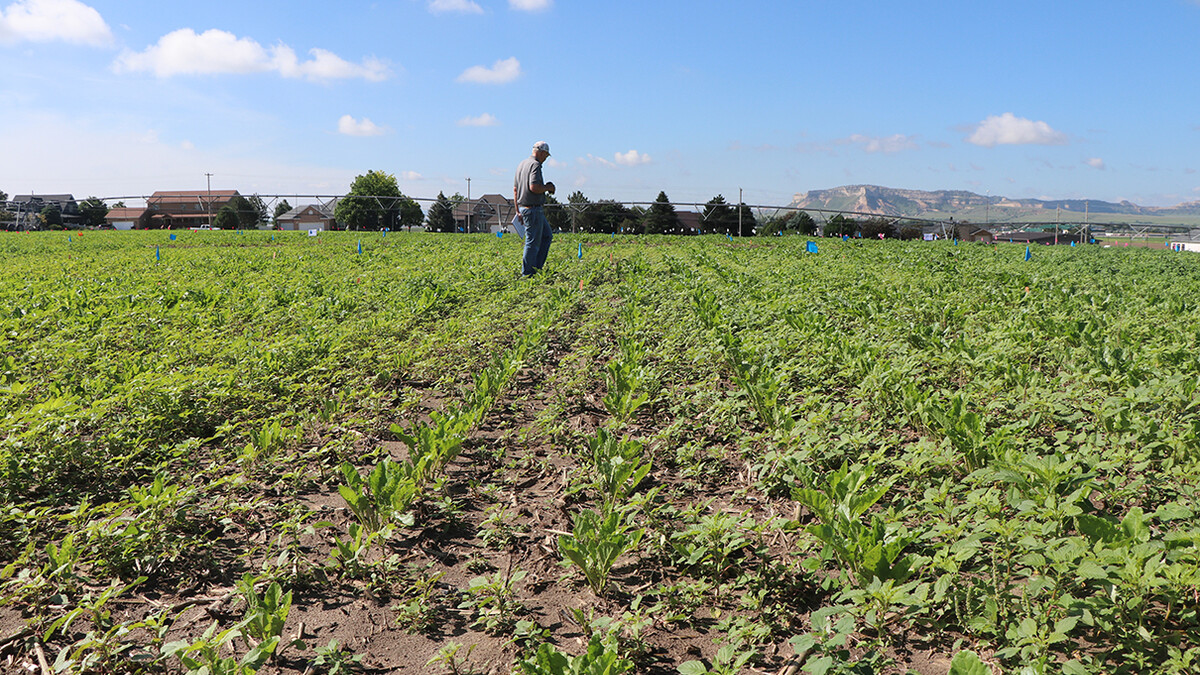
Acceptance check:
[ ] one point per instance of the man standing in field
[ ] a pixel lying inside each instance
(529, 192)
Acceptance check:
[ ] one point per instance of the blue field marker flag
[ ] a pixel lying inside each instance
(157, 254)
(811, 247)
(1028, 255)
(172, 237)
(68, 238)
(581, 250)
(360, 246)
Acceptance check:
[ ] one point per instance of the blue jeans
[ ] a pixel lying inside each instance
(537, 239)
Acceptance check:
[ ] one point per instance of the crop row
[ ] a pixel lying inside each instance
(782, 458)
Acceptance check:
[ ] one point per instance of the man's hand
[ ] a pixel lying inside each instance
(550, 187)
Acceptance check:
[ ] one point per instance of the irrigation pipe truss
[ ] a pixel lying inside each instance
(203, 198)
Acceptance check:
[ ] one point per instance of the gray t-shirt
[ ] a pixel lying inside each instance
(529, 173)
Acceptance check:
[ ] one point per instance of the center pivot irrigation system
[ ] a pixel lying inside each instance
(204, 204)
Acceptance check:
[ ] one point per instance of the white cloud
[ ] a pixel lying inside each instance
(325, 65)
(51, 20)
(530, 5)
(458, 6)
(1008, 129)
(351, 127)
(184, 52)
(1095, 163)
(410, 175)
(886, 144)
(632, 158)
(592, 159)
(484, 120)
(501, 72)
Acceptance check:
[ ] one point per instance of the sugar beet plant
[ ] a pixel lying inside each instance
(851, 451)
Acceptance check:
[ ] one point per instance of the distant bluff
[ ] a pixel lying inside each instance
(966, 205)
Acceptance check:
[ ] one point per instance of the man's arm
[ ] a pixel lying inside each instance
(536, 186)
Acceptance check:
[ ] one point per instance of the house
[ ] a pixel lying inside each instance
(1050, 238)
(307, 217)
(960, 231)
(127, 218)
(27, 208)
(188, 208)
(973, 233)
(689, 222)
(489, 213)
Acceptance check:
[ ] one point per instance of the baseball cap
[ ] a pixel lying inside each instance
(543, 146)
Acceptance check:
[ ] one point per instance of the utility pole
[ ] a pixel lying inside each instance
(469, 205)
(208, 201)
(741, 232)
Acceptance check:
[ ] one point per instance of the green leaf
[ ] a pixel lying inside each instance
(1173, 511)
(968, 663)
(819, 666)
(692, 668)
(1090, 569)
(803, 643)
(1074, 667)
(1134, 525)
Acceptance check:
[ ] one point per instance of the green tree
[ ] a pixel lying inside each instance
(226, 218)
(281, 208)
(441, 215)
(802, 223)
(260, 209)
(373, 203)
(92, 212)
(579, 208)
(51, 218)
(3, 196)
(408, 214)
(661, 217)
(840, 225)
(873, 227)
(557, 214)
(609, 216)
(908, 230)
(718, 217)
(745, 223)
(247, 215)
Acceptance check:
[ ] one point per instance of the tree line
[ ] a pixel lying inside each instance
(375, 202)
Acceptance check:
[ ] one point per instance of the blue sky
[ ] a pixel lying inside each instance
(1021, 99)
